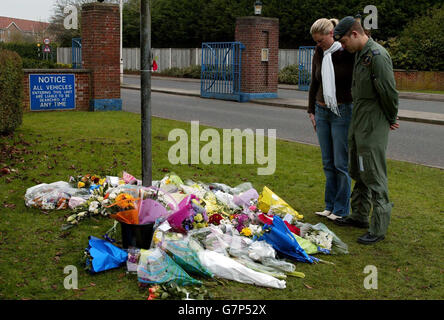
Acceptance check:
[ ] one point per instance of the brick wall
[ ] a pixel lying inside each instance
(82, 86)
(101, 48)
(257, 33)
(419, 80)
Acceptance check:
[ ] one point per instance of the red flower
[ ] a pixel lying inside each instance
(152, 297)
(215, 219)
(153, 290)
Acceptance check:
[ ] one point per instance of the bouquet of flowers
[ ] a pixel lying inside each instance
(190, 215)
(96, 205)
(87, 181)
(172, 291)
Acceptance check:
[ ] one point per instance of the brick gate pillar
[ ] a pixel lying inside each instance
(101, 54)
(260, 59)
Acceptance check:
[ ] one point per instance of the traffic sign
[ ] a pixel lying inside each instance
(46, 41)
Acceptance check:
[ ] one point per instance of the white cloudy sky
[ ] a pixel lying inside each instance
(39, 10)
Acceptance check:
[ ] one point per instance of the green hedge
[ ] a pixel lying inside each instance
(421, 44)
(30, 56)
(290, 75)
(188, 72)
(11, 88)
(43, 64)
(24, 50)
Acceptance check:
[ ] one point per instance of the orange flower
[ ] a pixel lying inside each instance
(125, 200)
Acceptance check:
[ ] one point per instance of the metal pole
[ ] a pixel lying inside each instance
(145, 78)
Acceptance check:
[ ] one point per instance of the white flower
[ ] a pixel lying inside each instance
(100, 199)
(81, 214)
(113, 195)
(255, 228)
(93, 206)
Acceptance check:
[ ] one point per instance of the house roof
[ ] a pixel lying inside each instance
(23, 25)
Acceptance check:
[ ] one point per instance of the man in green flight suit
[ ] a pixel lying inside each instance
(375, 109)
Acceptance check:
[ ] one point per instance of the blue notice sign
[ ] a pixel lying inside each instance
(52, 92)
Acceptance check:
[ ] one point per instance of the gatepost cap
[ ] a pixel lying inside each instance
(343, 26)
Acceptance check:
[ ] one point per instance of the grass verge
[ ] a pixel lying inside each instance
(50, 147)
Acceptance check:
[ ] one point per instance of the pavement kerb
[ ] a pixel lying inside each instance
(404, 115)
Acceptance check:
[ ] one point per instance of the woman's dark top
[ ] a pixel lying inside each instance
(343, 62)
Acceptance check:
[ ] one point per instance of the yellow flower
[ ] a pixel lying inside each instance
(102, 181)
(80, 184)
(246, 232)
(167, 181)
(198, 217)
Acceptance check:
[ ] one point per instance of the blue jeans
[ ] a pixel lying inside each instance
(332, 133)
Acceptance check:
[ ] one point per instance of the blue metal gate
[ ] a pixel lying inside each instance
(221, 70)
(305, 57)
(76, 53)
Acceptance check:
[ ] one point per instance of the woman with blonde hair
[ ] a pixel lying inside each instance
(330, 109)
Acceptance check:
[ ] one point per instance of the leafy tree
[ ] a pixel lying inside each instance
(188, 23)
(421, 44)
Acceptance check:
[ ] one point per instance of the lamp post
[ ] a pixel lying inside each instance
(145, 84)
(258, 8)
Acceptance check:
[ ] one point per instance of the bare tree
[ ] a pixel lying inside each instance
(62, 35)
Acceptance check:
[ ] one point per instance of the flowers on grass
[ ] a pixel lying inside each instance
(125, 201)
(172, 291)
(87, 181)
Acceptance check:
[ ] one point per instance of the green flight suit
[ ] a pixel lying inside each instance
(375, 108)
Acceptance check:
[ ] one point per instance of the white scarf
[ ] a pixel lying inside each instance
(328, 78)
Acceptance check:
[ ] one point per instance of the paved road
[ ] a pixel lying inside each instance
(404, 104)
(413, 142)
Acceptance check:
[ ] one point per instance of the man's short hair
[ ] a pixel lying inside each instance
(356, 26)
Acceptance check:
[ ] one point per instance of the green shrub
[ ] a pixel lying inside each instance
(187, 72)
(40, 64)
(11, 91)
(32, 58)
(24, 50)
(290, 75)
(192, 72)
(421, 44)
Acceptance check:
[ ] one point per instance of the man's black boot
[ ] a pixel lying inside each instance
(368, 238)
(347, 221)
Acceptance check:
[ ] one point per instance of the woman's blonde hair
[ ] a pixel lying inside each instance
(323, 26)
